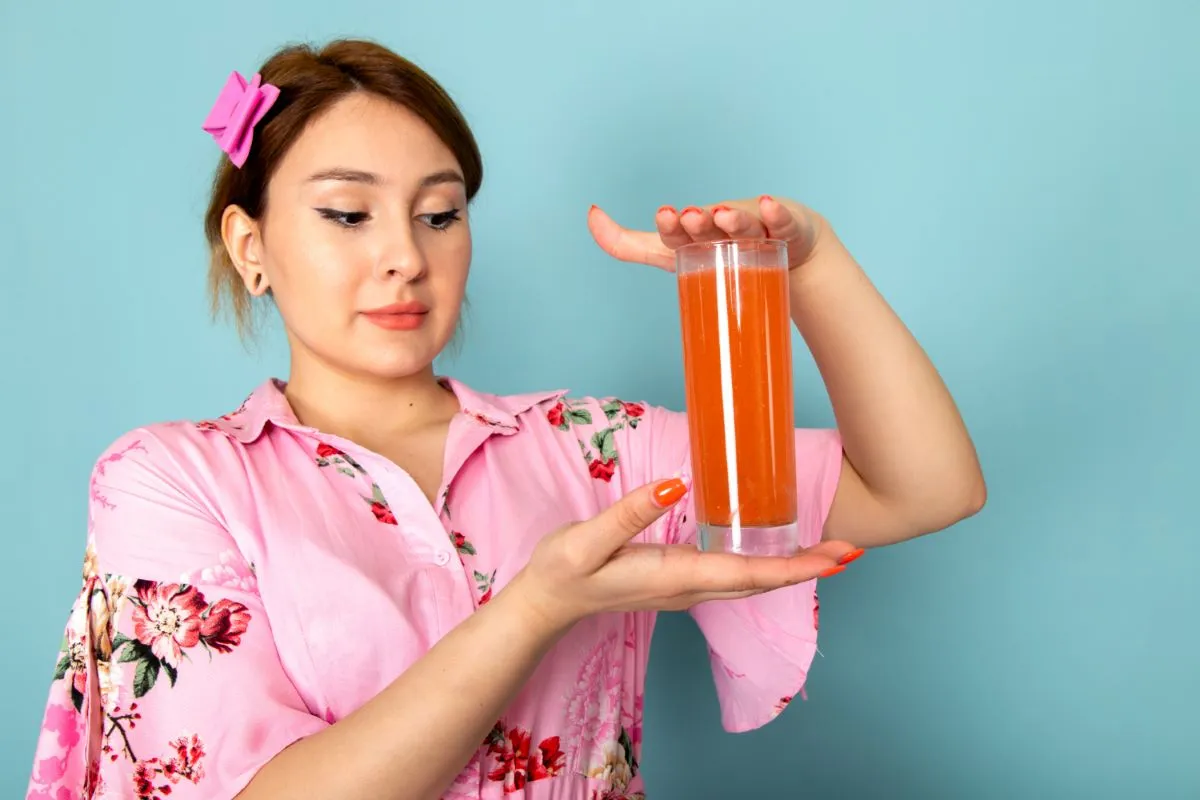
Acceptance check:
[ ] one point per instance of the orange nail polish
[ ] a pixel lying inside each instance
(669, 492)
(692, 210)
(668, 208)
(853, 554)
(721, 208)
(766, 197)
(831, 572)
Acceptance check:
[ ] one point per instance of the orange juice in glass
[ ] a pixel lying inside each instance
(737, 361)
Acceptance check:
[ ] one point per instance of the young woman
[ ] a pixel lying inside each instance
(370, 581)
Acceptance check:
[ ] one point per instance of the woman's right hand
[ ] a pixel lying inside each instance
(592, 567)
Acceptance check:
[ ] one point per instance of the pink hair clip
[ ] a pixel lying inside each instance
(239, 107)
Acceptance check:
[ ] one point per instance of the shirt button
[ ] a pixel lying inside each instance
(442, 558)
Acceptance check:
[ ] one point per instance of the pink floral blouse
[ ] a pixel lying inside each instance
(249, 581)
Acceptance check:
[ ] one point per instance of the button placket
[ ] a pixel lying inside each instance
(417, 521)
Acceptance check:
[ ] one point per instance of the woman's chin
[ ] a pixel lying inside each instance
(397, 362)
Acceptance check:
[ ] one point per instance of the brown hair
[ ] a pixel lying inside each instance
(310, 81)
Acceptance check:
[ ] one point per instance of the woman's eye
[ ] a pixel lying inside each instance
(442, 220)
(347, 219)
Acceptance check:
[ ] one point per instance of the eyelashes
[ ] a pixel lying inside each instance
(440, 221)
(346, 219)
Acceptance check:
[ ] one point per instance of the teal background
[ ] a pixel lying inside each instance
(1019, 178)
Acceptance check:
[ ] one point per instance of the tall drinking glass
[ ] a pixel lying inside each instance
(737, 359)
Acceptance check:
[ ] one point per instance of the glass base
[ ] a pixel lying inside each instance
(779, 540)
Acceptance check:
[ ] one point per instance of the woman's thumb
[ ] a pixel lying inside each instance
(609, 530)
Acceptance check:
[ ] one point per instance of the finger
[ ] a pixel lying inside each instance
(725, 572)
(669, 228)
(738, 223)
(625, 245)
(781, 223)
(699, 225)
(611, 529)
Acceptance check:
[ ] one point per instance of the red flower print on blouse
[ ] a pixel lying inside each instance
(228, 419)
(600, 451)
(462, 544)
(383, 513)
(330, 456)
(516, 765)
(816, 612)
(379, 506)
(564, 414)
(633, 410)
(154, 778)
(483, 419)
(603, 469)
(484, 583)
(167, 618)
(223, 625)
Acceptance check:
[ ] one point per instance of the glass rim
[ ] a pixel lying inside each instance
(717, 244)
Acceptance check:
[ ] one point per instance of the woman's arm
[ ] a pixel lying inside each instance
(910, 467)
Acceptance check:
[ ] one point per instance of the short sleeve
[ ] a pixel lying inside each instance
(167, 683)
(760, 647)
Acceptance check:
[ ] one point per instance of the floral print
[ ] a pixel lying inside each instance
(330, 456)
(462, 545)
(97, 498)
(484, 581)
(517, 762)
(617, 765)
(483, 584)
(154, 778)
(169, 618)
(134, 632)
(230, 572)
(225, 420)
(606, 733)
(600, 451)
(616, 794)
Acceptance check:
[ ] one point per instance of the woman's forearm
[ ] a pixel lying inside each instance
(901, 431)
(414, 737)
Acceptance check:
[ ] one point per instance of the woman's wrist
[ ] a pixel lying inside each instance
(554, 616)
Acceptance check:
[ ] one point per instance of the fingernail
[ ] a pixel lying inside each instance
(853, 554)
(831, 572)
(668, 208)
(669, 492)
(767, 197)
(592, 208)
(721, 208)
(692, 210)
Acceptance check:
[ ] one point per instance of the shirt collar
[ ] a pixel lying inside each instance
(267, 404)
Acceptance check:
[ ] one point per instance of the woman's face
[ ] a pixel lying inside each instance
(364, 243)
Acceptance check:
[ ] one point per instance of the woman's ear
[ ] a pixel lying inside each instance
(243, 241)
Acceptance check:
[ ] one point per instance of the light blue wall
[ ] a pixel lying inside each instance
(1020, 179)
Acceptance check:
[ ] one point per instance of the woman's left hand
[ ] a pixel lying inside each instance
(804, 230)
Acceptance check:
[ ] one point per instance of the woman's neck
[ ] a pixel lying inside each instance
(367, 410)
